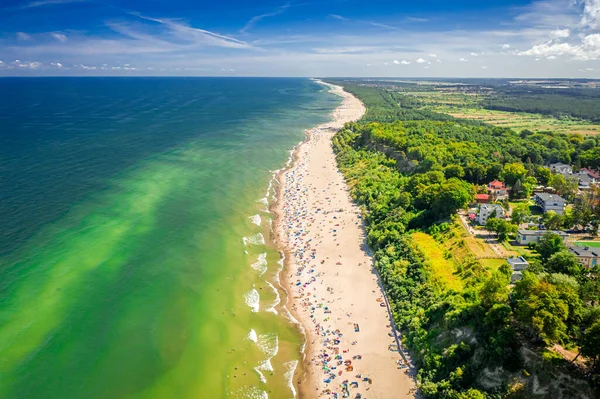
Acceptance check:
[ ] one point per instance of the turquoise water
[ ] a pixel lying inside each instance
(135, 254)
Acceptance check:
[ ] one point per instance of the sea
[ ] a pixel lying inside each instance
(136, 258)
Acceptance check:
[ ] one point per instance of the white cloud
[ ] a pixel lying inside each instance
(589, 49)
(474, 54)
(23, 36)
(56, 64)
(433, 55)
(396, 62)
(49, 2)
(404, 62)
(254, 20)
(60, 37)
(463, 60)
(421, 61)
(591, 14)
(339, 17)
(483, 67)
(505, 46)
(552, 57)
(560, 34)
(589, 69)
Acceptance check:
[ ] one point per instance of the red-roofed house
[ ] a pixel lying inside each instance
(482, 198)
(497, 190)
(595, 176)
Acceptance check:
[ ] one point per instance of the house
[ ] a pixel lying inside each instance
(584, 181)
(517, 265)
(550, 202)
(487, 210)
(497, 190)
(561, 168)
(588, 257)
(592, 174)
(482, 198)
(525, 237)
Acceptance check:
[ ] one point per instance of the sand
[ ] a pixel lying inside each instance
(333, 289)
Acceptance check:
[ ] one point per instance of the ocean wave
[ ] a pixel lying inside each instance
(256, 239)
(261, 264)
(289, 375)
(256, 219)
(250, 393)
(262, 377)
(264, 201)
(252, 299)
(277, 300)
(252, 336)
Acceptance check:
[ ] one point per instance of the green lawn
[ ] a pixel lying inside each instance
(593, 244)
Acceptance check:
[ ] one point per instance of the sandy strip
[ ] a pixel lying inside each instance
(333, 289)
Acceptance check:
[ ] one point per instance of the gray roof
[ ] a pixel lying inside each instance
(550, 197)
(517, 261)
(524, 232)
(492, 206)
(585, 252)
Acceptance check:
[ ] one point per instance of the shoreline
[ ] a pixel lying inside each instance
(315, 224)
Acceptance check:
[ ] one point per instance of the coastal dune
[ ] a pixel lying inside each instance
(333, 289)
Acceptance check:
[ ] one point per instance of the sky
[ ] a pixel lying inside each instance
(320, 38)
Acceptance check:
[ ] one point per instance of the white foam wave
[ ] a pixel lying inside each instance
(252, 299)
(261, 264)
(269, 344)
(250, 393)
(252, 336)
(263, 379)
(256, 219)
(256, 239)
(289, 375)
(277, 300)
(264, 201)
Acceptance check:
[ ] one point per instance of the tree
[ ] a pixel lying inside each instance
(543, 175)
(495, 289)
(453, 195)
(540, 307)
(520, 214)
(553, 221)
(454, 171)
(518, 191)
(475, 172)
(583, 211)
(511, 172)
(590, 344)
(550, 243)
(501, 227)
(566, 187)
(565, 262)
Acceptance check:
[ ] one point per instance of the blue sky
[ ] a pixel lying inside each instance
(461, 38)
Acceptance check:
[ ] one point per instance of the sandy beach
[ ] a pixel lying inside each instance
(333, 290)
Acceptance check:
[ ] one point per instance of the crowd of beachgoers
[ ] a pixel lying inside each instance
(352, 350)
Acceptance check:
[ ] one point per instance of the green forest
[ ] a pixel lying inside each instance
(470, 333)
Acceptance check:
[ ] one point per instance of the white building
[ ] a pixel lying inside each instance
(561, 168)
(550, 202)
(487, 210)
(525, 237)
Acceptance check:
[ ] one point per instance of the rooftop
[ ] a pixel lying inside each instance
(550, 197)
(541, 232)
(496, 184)
(585, 252)
(517, 261)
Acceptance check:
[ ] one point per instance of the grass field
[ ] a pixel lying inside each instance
(521, 121)
(466, 106)
(443, 269)
(592, 244)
